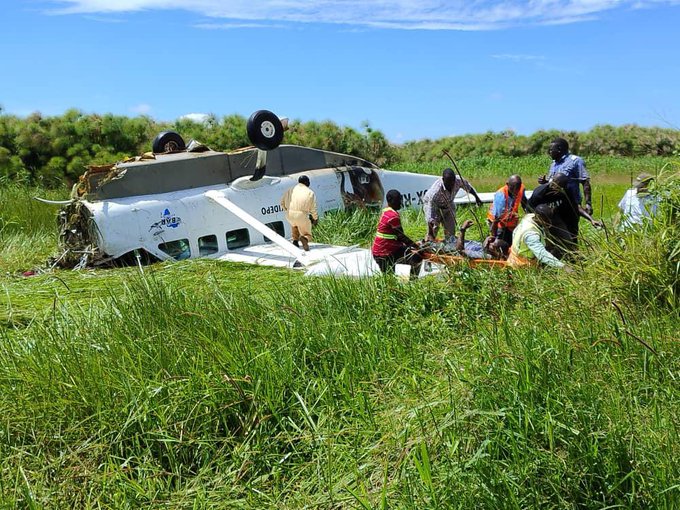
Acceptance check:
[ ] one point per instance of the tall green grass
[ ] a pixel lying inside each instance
(485, 389)
(28, 228)
(533, 166)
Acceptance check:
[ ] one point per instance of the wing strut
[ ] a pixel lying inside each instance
(230, 206)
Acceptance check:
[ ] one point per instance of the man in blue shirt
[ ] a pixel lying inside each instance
(574, 168)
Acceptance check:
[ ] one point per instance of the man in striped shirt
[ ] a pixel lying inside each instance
(440, 208)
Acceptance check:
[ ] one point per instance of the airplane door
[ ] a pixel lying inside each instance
(361, 187)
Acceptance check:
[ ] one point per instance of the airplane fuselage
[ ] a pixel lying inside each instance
(186, 224)
(165, 205)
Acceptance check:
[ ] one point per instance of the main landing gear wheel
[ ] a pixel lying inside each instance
(168, 141)
(265, 130)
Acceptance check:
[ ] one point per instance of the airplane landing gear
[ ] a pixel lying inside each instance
(265, 130)
(168, 141)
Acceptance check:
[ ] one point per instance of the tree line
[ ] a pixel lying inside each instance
(53, 150)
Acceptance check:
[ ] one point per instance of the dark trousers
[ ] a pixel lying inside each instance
(403, 255)
(562, 238)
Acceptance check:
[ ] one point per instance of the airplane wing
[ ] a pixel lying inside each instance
(320, 260)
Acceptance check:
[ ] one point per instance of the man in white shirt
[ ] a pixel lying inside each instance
(637, 203)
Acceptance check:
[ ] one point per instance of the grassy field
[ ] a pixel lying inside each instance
(204, 384)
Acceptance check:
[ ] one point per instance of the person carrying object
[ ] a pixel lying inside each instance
(574, 168)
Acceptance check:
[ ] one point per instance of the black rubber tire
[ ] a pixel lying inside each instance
(167, 141)
(265, 130)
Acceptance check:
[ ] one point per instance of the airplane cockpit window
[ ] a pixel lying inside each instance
(207, 245)
(238, 239)
(178, 250)
(276, 226)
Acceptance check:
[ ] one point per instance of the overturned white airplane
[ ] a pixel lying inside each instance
(187, 202)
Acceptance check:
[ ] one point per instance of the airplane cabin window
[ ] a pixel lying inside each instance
(238, 239)
(276, 226)
(207, 245)
(178, 250)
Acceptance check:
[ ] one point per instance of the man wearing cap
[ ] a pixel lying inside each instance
(391, 245)
(574, 168)
(637, 203)
(299, 202)
(440, 207)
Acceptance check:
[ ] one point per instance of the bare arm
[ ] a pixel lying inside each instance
(494, 228)
(402, 237)
(460, 240)
(584, 214)
(587, 195)
(470, 188)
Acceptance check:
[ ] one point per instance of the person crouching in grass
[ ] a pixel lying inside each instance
(391, 245)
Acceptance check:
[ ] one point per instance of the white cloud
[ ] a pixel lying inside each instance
(104, 19)
(232, 26)
(388, 14)
(519, 57)
(196, 117)
(141, 109)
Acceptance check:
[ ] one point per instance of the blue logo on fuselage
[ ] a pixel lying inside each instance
(167, 220)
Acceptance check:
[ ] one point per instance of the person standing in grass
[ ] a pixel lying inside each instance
(528, 241)
(563, 231)
(574, 168)
(391, 245)
(440, 207)
(503, 215)
(637, 204)
(299, 202)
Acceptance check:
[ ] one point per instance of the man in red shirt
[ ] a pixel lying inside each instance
(391, 245)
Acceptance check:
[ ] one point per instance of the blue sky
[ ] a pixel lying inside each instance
(412, 68)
